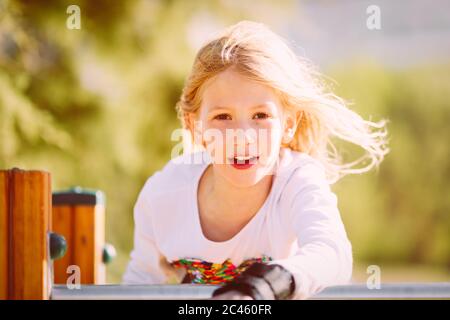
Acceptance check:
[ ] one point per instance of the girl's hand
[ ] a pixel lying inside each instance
(231, 295)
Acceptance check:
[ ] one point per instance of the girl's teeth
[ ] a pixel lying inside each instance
(244, 160)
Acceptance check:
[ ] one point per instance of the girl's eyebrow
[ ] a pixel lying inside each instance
(265, 104)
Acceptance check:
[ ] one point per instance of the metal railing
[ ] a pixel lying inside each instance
(200, 292)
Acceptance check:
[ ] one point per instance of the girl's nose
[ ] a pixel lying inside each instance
(244, 142)
(244, 135)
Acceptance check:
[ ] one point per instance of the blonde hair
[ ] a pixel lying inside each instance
(263, 56)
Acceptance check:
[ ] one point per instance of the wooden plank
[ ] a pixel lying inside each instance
(86, 227)
(4, 209)
(30, 200)
(83, 242)
(62, 223)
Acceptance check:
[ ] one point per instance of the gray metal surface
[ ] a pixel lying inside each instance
(388, 291)
(134, 292)
(199, 292)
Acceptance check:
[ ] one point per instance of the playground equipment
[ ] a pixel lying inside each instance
(38, 227)
(79, 216)
(201, 291)
(25, 202)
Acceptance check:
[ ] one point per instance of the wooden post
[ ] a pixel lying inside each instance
(79, 216)
(4, 252)
(25, 208)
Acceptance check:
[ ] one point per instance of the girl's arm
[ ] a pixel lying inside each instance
(145, 266)
(324, 257)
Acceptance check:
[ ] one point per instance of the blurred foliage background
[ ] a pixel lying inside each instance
(96, 108)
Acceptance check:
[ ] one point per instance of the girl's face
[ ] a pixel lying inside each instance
(241, 124)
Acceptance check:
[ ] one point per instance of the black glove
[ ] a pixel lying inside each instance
(262, 282)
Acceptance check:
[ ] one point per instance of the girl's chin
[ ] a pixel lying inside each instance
(245, 178)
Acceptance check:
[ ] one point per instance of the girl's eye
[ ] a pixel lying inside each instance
(222, 116)
(261, 115)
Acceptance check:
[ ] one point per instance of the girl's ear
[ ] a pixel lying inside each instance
(291, 121)
(189, 120)
(194, 127)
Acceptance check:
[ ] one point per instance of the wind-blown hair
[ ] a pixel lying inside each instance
(261, 55)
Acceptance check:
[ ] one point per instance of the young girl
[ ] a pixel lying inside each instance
(248, 205)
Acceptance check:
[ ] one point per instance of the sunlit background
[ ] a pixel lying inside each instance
(96, 107)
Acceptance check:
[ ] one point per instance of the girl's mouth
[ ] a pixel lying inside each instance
(242, 163)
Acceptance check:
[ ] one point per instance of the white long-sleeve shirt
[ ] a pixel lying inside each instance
(299, 227)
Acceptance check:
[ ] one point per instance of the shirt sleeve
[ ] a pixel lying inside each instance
(324, 255)
(146, 265)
